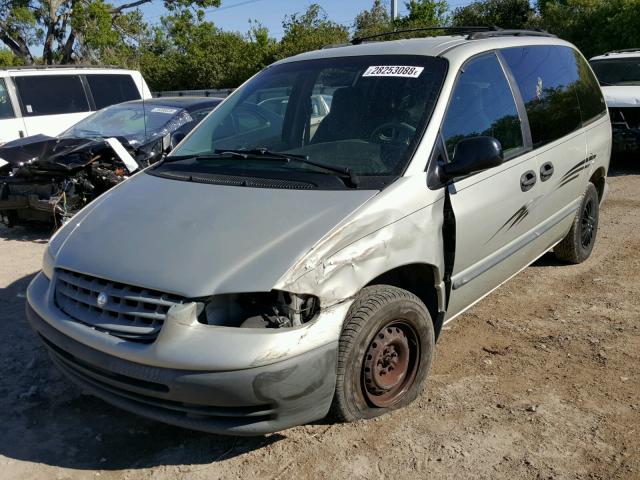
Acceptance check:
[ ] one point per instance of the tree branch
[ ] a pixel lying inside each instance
(18, 45)
(126, 6)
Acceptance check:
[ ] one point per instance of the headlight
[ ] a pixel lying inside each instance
(47, 264)
(275, 309)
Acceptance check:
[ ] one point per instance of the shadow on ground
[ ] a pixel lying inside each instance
(32, 233)
(45, 419)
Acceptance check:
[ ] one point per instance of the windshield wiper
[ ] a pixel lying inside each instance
(271, 155)
(208, 156)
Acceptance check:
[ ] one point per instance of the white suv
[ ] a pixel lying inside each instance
(273, 269)
(48, 100)
(619, 75)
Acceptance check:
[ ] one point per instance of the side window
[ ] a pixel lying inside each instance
(6, 110)
(51, 94)
(482, 104)
(592, 103)
(547, 78)
(111, 89)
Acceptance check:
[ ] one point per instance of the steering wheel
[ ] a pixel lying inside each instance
(393, 132)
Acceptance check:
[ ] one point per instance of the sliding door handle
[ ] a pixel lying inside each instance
(546, 171)
(528, 180)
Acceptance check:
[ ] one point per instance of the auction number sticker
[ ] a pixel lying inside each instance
(393, 71)
(168, 111)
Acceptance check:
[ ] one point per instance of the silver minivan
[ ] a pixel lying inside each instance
(271, 270)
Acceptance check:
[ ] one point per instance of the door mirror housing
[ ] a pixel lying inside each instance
(472, 155)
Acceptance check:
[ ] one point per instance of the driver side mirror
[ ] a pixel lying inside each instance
(472, 155)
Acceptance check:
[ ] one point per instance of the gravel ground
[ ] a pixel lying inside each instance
(539, 380)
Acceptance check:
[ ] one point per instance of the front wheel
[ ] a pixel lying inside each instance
(576, 247)
(384, 354)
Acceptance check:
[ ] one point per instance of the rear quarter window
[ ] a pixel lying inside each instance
(51, 94)
(547, 77)
(111, 89)
(592, 104)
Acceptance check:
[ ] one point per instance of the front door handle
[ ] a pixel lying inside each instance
(528, 180)
(546, 171)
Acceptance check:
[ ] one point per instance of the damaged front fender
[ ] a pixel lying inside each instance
(374, 240)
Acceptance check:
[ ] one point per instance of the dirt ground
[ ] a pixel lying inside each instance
(539, 380)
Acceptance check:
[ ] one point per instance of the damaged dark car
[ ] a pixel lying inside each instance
(48, 179)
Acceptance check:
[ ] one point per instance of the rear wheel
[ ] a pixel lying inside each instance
(576, 247)
(384, 355)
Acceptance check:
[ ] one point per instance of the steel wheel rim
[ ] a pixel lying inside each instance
(390, 364)
(587, 224)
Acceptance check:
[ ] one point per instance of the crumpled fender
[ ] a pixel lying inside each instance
(402, 225)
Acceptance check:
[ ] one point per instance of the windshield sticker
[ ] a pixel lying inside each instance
(169, 111)
(393, 71)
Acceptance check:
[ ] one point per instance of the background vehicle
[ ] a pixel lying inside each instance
(275, 272)
(619, 75)
(50, 179)
(48, 100)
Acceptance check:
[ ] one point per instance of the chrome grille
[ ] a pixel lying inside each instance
(130, 312)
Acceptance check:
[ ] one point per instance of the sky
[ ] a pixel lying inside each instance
(234, 15)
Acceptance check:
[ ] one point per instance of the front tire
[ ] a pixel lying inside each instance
(384, 353)
(577, 246)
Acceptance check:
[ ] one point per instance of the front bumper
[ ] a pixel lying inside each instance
(291, 390)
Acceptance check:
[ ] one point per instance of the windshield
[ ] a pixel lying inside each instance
(137, 122)
(360, 114)
(618, 71)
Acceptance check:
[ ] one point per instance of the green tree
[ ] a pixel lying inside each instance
(424, 13)
(502, 13)
(595, 26)
(374, 21)
(186, 52)
(8, 59)
(310, 30)
(77, 30)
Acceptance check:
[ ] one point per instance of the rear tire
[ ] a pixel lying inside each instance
(576, 247)
(384, 353)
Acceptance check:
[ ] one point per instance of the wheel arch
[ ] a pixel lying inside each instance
(424, 281)
(598, 178)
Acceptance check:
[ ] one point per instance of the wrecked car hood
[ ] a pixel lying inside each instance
(51, 153)
(195, 239)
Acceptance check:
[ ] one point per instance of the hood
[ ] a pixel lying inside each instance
(623, 96)
(65, 154)
(48, 152)
(195, 239)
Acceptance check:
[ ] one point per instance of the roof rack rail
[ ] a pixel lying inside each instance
(623, 50)
(473, 33)
(458, 30)
(499, 32)
(61, 67)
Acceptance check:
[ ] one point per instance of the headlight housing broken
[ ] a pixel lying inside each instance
(275, 309)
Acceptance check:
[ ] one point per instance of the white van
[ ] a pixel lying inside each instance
(619, 75)
(275, 270)
(49, 99)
